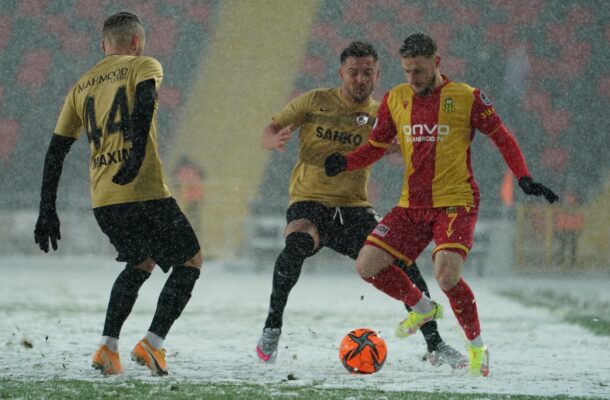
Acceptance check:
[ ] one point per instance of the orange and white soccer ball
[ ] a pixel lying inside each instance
(362, 351)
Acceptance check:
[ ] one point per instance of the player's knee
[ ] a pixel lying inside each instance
(366, 268)
(446, 279)
(446, 271)
(147, 265)
(196, 261)
(446, 275)
(299, 245)
(362, 269)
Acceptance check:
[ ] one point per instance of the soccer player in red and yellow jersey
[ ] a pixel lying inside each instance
(116, 104)
(333, 212)
(434, 120)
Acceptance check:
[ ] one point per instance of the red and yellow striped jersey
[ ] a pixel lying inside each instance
(435, 133)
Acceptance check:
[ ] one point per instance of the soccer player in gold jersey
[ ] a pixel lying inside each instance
(326, 211)
(116, 104)
(434, 120)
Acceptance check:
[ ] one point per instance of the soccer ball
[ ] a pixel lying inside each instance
(362, 351)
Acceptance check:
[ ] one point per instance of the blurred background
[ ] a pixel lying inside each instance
(230, 65)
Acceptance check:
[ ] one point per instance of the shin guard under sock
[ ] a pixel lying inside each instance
(395, 283)
(122, 298)
(286, 273)
(173, 298)
(464, 307)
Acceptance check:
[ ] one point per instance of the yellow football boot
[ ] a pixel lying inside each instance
(415, 320)
(479, 360)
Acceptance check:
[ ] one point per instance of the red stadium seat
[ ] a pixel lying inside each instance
(326, 31)
(169, 97)
(34, 68)
(163, 38)
(9, 131)
(71, 41)
(560, 33)
(555, 158)
(460, 13)
(5, 29)
(32, 8)
(90, 9)
(313, 66)
(604, 86)
(556, 121)
(197, 12)
(539, 102)
(443, 34)
(358, 11)
(579, 16)
(501, 34)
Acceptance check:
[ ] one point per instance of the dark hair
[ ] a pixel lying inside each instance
(120, 19)
(118, 27)
(418, 44)
(359, 49)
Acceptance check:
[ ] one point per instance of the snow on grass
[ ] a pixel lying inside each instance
(57, 305)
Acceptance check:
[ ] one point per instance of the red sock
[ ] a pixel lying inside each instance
(395, 283)
(464, 307)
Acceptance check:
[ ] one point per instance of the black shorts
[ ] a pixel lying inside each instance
(157, 229)
(343, 229)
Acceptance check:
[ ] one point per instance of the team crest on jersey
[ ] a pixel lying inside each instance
(381, 230)
(362, 119)
(448, 105)
(484, 99)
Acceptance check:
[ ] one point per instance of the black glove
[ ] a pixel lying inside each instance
(334, 164)
(530, 187)
(126, 174)
(47, 227)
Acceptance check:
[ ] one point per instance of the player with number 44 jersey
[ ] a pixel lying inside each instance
(116, 104)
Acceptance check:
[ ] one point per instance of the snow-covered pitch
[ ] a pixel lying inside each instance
(57, 305)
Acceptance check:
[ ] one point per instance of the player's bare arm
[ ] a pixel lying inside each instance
(276, 136)
(47, 225)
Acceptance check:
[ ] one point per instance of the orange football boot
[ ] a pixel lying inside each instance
(107, 361)
(146, 355)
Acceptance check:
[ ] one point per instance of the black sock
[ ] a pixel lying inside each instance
(173, 298)
(122, 298)
(430, 329)
(287, 270)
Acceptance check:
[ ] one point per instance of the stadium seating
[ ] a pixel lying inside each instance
(45, 45)
(550, 46)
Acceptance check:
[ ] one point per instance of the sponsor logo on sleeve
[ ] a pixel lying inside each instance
(484, 98)
(381, 230)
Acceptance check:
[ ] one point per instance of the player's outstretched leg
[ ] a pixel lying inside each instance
(122, 298)
(286, 273)
(464, 307)
(439, 352)
(376, 266)
(173, 298)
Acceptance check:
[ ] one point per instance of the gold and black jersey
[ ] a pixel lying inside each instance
(101, 102)
(328, 124)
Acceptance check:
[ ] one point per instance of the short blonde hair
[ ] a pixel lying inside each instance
(120, 28)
